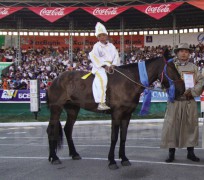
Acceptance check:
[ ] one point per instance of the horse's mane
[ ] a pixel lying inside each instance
(127, 66)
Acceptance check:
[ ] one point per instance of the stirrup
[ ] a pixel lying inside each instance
(103, 106)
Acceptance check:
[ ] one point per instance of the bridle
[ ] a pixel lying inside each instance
(149, 88)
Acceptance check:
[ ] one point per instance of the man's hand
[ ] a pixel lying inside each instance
(188, 94)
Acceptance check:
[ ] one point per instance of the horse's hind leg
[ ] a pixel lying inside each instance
(54, 131)
(72, 112)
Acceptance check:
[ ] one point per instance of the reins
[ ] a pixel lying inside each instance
(139, 84)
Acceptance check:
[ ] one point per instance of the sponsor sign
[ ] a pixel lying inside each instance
(19, 96)
(158, 11)
(52, 14)
(23, 96)
(148, 39)
(202, 102)
(5, 11)
(105, 13)
(200, 38)
(4, 65)
(78, 41)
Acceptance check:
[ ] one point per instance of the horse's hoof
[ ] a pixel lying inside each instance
(77, 157)
(55, 162)
(125, 163)
(113, 166)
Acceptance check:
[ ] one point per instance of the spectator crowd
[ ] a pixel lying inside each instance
(47, 63)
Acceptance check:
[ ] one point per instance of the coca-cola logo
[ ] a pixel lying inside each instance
(4, 11)
(108, 11)
(164, 8)
(52, 12)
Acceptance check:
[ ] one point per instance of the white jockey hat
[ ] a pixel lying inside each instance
(100, 29)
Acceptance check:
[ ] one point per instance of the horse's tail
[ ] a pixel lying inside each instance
(60, 137)
(54, 130)
(55, 136)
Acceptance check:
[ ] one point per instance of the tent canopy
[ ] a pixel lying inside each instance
(187, 16)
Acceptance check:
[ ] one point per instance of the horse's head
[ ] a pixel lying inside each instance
(171, 77)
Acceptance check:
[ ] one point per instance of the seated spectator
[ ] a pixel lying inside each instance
(5, 84)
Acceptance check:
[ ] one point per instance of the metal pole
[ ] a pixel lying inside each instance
(71, 30)
(122, 40)
(174, 28)
(18, 52)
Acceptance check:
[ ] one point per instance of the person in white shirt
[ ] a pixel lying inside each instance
(104, 57)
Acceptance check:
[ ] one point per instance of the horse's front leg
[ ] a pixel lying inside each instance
(114, 138)
(72, 112)
(123, 134)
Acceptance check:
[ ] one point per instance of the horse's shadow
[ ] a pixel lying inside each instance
(136, 173)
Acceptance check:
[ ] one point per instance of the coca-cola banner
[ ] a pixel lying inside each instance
(198, 4)
(5, 11)
(52, 13)
(105, 13)
(158, 11)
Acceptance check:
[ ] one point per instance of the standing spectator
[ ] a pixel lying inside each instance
(180, 127)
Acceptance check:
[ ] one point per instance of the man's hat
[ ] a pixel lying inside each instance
(100, 29)
(182, 46)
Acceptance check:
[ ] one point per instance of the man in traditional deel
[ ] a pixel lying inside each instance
(104, 57)
(180, 128)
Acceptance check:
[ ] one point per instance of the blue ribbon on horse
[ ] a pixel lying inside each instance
(171, 90)
(147, 93)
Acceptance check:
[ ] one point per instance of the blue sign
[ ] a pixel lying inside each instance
(200, 38)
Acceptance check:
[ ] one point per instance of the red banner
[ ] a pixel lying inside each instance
(158, 11)
(197, 3)
(52, 13)
(134, 40)
(105, 13)
(82, 42)
(5, 11)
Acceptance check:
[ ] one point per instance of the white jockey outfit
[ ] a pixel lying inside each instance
(101, 55)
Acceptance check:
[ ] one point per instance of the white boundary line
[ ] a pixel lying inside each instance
(91, 145)
(78, 122)
(85, 122)
(105, 159)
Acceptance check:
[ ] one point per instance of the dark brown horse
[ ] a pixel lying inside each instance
(70, 92)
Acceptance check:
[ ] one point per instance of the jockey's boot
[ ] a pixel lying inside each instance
(103, 106)
(191, 154)
(171, 155)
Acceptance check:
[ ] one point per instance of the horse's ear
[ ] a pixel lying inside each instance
(167, 54)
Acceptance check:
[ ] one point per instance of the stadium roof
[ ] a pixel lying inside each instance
(187, 16)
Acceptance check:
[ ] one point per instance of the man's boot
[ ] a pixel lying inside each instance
(191, 154)
(171, 155)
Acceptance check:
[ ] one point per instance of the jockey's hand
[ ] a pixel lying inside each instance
(112, 67)
(106, 68)
(109, 69)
